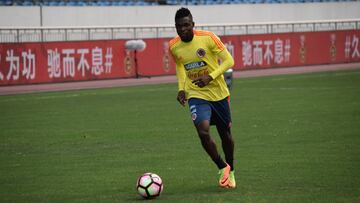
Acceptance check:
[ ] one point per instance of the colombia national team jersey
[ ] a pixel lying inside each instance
(200, 57)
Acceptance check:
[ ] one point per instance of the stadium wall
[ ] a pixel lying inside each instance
(34, 16)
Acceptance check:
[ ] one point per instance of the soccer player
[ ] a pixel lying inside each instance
(201, 83)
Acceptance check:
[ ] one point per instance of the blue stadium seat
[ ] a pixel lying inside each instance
(53, 3)
(8, 2)
(209, 2)
(27, 3)
(129, 3)
(171, 2)
(149, 2)
(140, 3)
(103, 3)
(71, 3)
(117, 3)
(82, 3)
(92, 3)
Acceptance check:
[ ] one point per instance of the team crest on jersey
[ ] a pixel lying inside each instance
(193, 112)
(200, 52)
(193, 116)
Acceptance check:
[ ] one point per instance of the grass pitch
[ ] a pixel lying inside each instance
(297, 140)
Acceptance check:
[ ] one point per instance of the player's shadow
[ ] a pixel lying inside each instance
(170, 194)
(204, 190)
(139, 199)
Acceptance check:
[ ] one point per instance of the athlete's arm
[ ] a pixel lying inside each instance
(202, 81)
(181, 74)
(227, 62)
(181, 97)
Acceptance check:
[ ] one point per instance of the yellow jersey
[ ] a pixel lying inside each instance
(201, 57)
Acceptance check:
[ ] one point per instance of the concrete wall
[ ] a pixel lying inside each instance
(164, 15)
(19, 16)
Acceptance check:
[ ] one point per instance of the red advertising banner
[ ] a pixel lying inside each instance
(48, 62)
(156, 59)
(23, 63)
(293, 49)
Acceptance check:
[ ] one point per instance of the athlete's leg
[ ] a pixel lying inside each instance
(201, 112)
(227, 142)
(203, 130)
(228, 148)
(221, 117)
(209, 145)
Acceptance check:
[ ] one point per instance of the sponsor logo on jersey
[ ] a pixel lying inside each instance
(194, 65)
(200, 52)
(195, 74)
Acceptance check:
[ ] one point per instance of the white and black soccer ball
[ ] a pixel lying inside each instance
(149, 185)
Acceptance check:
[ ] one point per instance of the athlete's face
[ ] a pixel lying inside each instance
(184, 28)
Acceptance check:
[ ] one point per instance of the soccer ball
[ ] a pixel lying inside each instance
(149, 185)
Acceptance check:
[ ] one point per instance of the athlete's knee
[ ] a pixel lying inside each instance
(204, 134)
(225, 133)
(203, 128)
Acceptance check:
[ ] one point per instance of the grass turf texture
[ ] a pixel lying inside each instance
(297, 140)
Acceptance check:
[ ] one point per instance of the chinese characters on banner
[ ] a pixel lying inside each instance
(27, 63)
(265, 52)
(101, 62)
(293, 49)
(26, 59)
(352, 47)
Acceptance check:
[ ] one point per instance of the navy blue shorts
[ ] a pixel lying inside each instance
(218, 112)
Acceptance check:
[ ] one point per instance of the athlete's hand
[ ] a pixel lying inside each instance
(181, 97)
(203, 80)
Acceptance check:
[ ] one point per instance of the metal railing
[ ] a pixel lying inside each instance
(51, 34)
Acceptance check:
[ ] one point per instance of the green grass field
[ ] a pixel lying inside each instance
(297, 140)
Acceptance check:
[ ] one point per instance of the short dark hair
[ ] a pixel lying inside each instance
(182, 12)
